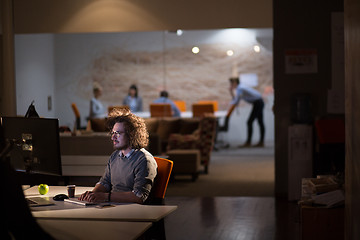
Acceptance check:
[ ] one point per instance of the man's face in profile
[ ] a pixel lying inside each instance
(118, 137)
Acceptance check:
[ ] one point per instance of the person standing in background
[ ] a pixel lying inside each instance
(133, 100)
(253, 97)
(97, 110)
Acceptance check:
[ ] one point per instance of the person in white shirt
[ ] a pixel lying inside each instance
(253, 97)
(97, 110)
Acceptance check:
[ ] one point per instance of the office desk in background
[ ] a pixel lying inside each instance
(187, 114)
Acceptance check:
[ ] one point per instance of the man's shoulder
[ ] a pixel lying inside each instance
(114, 154)
(143, 153)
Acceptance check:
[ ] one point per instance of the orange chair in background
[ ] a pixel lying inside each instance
(225, 127)
(160, 110)
(181, 105)
(200, 109)
(215, 103)
(77, 115)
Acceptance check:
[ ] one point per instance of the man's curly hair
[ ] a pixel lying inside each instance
(135, 128)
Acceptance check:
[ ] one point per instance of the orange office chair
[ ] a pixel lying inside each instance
(200, 110)
(215, 103)
(225, 127)
(77, 115)
(162, 178)
(160, 110)
(157, 195)
(181, 105)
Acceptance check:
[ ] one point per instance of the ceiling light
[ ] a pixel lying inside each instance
(195, 50)
(229, 53)
(179, 32)
(257, 48)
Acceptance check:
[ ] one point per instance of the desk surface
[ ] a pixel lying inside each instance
(187, 114)
(120, 212)
(75, 229)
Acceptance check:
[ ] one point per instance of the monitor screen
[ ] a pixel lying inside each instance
(37, 147)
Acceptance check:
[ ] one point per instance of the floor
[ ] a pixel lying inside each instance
(234, 201)
(240, 218)
(232, 172)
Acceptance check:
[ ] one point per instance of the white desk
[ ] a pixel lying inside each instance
(187, 114)
(74, 229)
(121, 212)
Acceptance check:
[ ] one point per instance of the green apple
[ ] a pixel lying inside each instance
(43, 189)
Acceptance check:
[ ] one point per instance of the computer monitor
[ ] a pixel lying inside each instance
(36, 144)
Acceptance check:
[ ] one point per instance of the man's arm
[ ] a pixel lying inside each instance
(98, 190)
(100, 194)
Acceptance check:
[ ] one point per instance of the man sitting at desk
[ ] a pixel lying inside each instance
(131, 170)
(164, 98)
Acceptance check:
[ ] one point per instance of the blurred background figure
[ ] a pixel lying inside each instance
(97, 110)
(133, 100)
(164, 98)
(253, 97)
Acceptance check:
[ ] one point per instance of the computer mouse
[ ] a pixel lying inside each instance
(60, 197)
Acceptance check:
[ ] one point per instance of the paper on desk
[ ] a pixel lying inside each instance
(329, 199)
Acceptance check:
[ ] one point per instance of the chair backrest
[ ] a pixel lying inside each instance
(110, 108)
(162, 178)
(225, 127)
(231, 109)
(200, 110)
(76, 110)
(160, 110)
(77, 115)
(181, 105)
(215, 103)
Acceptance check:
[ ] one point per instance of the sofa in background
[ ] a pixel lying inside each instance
(201, 139)
(160, 130)
(169, 134)
(186, 162)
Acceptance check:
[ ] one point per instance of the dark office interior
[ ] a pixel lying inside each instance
(301, 25)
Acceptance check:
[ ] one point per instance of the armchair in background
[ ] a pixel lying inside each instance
(201, 139)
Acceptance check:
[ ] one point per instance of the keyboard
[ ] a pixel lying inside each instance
(77, 201)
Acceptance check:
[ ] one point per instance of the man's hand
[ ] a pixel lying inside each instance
(94, 196)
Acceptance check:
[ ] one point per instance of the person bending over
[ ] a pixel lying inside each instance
(131, 170)
(253, 97)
